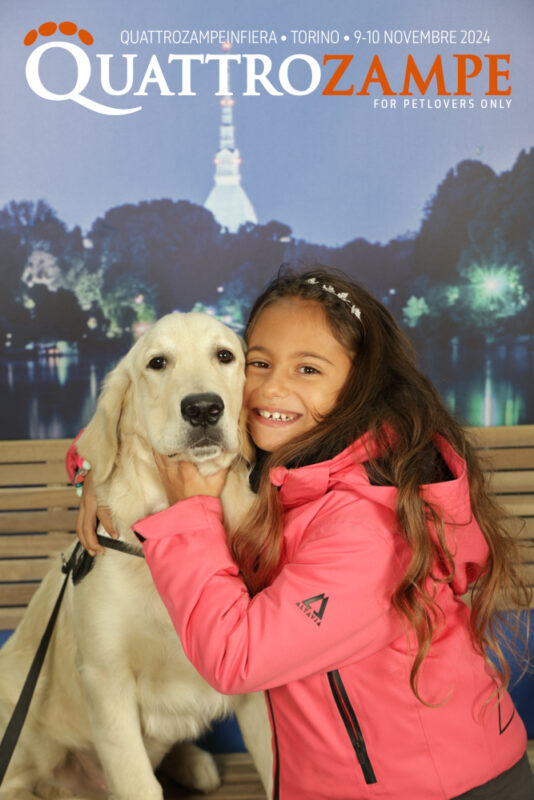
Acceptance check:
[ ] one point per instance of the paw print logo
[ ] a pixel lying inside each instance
(75, 35)
(66, 28)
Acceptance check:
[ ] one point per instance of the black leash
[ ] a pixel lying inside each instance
(117, 544)
(79, 564)
(14, 727)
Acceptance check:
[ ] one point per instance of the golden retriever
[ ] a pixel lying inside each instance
(117, 692)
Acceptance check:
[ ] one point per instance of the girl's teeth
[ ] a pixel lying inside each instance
(275, 415)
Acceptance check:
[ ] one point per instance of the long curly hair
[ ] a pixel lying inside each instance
(387, 397)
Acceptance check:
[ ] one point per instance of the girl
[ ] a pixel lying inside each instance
(340, 593)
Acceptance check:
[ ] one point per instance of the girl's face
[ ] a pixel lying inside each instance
(296, 369)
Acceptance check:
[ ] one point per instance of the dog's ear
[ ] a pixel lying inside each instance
(99, 443)
(246, 446)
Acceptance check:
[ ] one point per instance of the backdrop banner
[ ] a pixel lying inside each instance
(160, 156)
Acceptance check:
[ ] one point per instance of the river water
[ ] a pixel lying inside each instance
(54, 396)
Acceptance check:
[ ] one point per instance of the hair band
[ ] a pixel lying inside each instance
(340, 295)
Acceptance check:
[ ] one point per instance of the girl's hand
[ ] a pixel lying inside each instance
(86, 521)
(181, 479)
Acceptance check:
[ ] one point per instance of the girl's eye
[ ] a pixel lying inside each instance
(158, 362)
(307, 370)
(260, 364)
(225, 356)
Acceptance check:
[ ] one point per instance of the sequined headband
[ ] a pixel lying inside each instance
(340, 295)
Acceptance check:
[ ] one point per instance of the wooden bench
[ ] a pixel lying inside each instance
(38, 511)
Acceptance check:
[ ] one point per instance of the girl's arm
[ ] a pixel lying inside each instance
(329, 606)
(89, 512)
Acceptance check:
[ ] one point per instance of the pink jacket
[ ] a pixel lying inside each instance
(326, 643)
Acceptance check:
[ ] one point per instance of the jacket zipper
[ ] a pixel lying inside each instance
(350, 721)
(276, 779)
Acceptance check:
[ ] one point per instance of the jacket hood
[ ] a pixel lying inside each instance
(346, 472)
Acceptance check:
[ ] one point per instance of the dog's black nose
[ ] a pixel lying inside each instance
(202, 409)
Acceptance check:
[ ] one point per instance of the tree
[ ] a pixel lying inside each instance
(502, 230)
(55, 315)
(445, 230)
(165, 244)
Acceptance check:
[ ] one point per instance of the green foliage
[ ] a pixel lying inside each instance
(128, 303)
(414, 310)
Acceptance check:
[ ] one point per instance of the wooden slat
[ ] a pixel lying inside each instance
(35, 521)
(23, 569)
(526, 531)
(38, 498)
(10, 617)
(526, 552)
(512, 481)
(33, 474)
(502, 436)
(34, 449)
(507, 458)
(530, 753)
(518, 505)
(34, 545)
(17, 594)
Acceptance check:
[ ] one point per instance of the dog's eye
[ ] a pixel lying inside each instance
(158, 362)
(225, 356)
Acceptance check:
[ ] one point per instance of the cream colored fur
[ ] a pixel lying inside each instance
(117, 693)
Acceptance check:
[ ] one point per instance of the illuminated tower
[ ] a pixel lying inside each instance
(228, 201)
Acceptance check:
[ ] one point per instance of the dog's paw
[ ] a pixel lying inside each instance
(191, 766)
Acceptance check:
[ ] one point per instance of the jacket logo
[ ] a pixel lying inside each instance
(315, 614)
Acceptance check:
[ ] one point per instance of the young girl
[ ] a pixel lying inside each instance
(340, 594)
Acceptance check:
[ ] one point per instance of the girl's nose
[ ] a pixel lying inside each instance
(275, 385)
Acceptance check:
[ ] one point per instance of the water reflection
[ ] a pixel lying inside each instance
(485, 387)
(54, 396)
(49, 397)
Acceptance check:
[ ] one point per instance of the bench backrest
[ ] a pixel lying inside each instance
(38, 505)
(37, 518)
(507, 453)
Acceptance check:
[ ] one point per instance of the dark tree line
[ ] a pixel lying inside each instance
(469, 268)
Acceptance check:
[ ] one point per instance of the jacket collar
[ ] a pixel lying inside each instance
(306, 483)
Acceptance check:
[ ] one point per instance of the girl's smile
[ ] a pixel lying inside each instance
(295, 371)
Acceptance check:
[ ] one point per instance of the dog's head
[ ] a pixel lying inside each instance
(180, 390)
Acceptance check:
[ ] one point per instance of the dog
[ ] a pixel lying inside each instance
(117, 697)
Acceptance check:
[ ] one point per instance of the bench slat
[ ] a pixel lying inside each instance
(10, 617)
(518, 505)
(52, 497)
(512, 481)
(17, 594)
(33, 474)
(502, 436)
(24, 569)
(527, 530)
(507, 458)
(34, 545)
(36, 521)
(34, 450)
(526, 551)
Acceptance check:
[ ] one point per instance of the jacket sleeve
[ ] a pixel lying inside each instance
(345, 572)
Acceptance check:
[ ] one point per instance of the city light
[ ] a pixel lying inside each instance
(497, 290)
